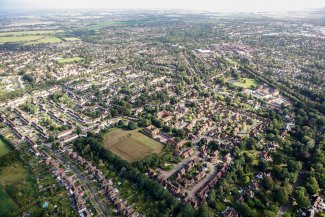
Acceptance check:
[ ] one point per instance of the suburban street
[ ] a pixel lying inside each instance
(99, 206)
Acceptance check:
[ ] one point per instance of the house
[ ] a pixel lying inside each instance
(188, 182)
(200, 175)
(214, 157)
(203, 151)
(230, 212)
(152, 130)
(176, 144)
(266, 156)
(64, 133)
(59, 172)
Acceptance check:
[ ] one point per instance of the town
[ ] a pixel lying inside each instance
(130, 117)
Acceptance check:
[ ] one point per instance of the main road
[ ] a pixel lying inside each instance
(83, 179)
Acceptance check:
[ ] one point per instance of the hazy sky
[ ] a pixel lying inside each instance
(211, 5)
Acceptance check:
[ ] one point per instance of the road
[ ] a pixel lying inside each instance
(283, 209)
(180, 165)
(191, 192)
(82, 178)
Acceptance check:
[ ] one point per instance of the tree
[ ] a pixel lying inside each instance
(280, 195)
(204, 211)
(78, 130)
(312, 185)
(294, 166)
(263, 165)
(132, 125)
(301, 197)
(267, 182)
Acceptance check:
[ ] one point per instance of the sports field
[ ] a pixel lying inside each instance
(131, 145)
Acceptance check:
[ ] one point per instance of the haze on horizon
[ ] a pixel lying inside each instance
(203, 5)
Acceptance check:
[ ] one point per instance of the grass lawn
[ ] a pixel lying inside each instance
(131, 145)
(70, 60)
(246, 83)
(3, 148)
(7, 205)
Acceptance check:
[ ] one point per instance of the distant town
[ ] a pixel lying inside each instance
(124, 113)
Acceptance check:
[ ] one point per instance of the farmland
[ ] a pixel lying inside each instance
(44, 40)
(30, 37)
(130, 145)
(22, 33)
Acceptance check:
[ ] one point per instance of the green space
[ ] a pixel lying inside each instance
(44, 40)
(71, 39)
(245, 83)
(30, 37)
(131, 145)
(25, 38)
(12, 174)
(70, 60)
(29, 33)
(4, 149)
(101, 25)
(7, 205)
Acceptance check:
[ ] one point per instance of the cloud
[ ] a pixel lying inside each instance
(211, 5)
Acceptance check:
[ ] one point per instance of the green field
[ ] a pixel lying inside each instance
(104, 24)
(30, 37)
(101, 25)
(131, 145)
(45, 40)
(7, 205)
(13, 173)
(26, 38)
(245, 83)
(70, 60)
(71, 39)
(4, 149)
(29, 33)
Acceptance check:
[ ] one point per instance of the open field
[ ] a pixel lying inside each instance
(3, 148)
(24, 33)
(101, 25)
(26, 38)
(70, 60)
(245, 83)
(71, 39)
(30, 37)
(131, 145)
(45, 40)
(7, 205)
(13, 173)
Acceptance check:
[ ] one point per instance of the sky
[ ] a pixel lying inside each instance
(202, 5)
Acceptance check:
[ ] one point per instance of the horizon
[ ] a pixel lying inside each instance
(250, 6)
